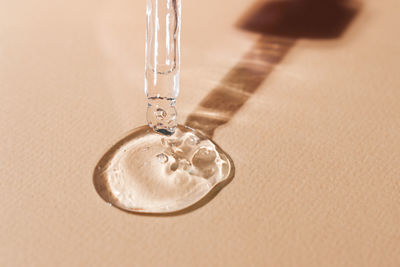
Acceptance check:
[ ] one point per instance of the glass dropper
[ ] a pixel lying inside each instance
(162, 63)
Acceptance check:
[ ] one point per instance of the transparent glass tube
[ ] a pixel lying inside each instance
(162, 63)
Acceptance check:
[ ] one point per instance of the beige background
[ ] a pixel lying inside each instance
(316, 146)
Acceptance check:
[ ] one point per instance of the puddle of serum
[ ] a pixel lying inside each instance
(149, 172)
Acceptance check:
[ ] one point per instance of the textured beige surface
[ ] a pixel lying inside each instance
(316, 146)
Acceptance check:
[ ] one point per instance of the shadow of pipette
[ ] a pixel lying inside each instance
(280, 24)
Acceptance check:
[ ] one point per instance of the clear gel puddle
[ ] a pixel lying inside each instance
(149, 172)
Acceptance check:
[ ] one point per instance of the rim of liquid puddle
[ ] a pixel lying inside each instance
(104, 190)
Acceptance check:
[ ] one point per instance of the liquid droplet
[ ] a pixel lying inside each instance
(162, 115)
(162, 158)
(134, 180)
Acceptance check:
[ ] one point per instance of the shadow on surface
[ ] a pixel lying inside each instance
(221, 104)
(280, 24)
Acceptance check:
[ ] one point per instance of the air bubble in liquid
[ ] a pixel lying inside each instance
(162, 158)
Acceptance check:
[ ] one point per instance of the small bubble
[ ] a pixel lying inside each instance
(174, 166)
(160, 114)
(185, 164)
(193, 140)
(204, 157)
(162, 158)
